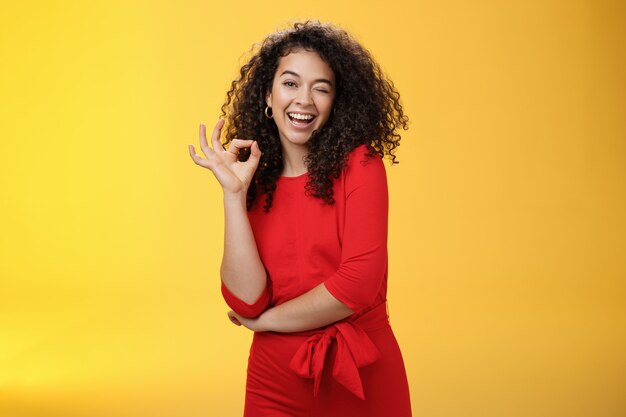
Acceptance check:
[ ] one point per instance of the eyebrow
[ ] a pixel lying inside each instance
(319, 80)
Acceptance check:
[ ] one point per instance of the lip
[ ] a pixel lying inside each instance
(300, 112)
(299, 126)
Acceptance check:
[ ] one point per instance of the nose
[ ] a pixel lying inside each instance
(304, 97)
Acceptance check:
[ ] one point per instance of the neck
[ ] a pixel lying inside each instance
(293, 160)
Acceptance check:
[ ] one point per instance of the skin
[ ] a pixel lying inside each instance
(303, 83)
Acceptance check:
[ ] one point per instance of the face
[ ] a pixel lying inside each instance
(302, 96)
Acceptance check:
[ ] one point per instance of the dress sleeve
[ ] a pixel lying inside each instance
(363, 266)
(244, 309)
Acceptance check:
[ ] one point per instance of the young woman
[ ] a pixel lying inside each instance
(308, 122)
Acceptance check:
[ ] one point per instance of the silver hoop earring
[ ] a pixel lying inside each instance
(268, 108)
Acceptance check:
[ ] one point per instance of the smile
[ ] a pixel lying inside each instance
(300, 119)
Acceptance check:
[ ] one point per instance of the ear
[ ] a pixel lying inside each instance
(268, 98)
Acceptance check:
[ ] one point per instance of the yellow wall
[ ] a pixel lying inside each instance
(507, 229)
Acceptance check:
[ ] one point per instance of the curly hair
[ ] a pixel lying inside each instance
(366, 109)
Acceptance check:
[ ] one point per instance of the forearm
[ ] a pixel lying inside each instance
(242, 271)
(311, 310)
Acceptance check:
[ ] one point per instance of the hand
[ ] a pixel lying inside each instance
(256, 324)
(234, 176)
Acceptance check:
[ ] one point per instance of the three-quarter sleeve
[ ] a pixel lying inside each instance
(363, 266)
(244, 309)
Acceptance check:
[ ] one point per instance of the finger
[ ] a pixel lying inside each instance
(255, 154)
(237, 144)
(196, 158)
(255, 151)
(203, 141)
(215, 139)
(233, 318)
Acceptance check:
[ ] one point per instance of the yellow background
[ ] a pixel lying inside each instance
(507, 229)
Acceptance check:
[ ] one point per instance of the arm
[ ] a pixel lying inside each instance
(357, 281)
(313, 309)
(243, 274)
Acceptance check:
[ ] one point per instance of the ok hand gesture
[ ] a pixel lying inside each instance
(234, 176)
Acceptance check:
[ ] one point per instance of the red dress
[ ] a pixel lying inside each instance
(352, 367)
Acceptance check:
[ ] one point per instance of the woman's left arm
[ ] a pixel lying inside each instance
(358, 279)
(311, 310)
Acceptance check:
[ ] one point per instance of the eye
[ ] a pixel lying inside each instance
(322, 90)
(289, 84)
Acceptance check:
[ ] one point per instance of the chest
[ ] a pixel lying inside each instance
(301, 237)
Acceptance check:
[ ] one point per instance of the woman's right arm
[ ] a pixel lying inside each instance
(242, 271)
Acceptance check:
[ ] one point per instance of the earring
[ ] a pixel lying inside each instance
(268, 108)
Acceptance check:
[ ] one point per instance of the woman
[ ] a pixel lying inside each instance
(305, 205)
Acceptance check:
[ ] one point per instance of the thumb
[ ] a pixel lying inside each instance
(255, 153)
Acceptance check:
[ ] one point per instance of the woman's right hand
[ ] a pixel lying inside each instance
(234, 176)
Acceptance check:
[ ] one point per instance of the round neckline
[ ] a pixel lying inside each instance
(284, 177)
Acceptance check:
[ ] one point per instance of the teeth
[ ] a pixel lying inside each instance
(301, 116)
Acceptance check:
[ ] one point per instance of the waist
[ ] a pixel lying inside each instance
(353, 351)
(373, 319)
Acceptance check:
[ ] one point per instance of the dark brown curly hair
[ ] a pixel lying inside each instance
(366, 109)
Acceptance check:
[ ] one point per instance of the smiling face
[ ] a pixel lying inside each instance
(302, 97)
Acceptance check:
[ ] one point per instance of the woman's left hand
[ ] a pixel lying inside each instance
(256, 324)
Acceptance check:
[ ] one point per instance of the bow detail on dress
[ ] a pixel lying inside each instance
(354, 350)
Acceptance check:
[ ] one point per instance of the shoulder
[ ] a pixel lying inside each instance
(360, 161)
(363, 169)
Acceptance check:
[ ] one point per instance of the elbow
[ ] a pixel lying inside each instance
(243, 308)
(356, 295)
(356, 304)
(246, 286)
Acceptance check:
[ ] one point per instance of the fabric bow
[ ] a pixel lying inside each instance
(354, 350)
